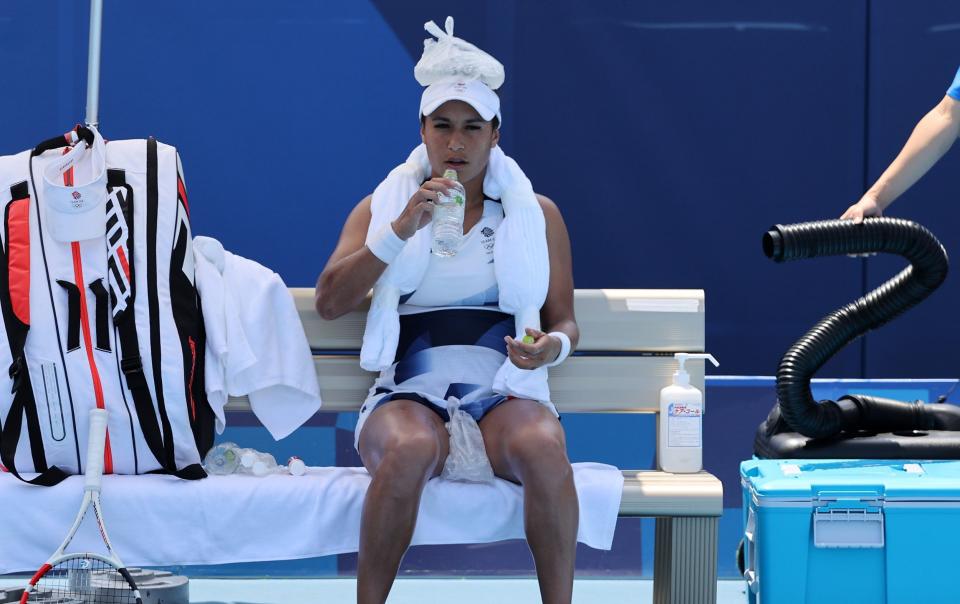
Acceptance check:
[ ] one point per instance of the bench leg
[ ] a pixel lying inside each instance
(685, 561)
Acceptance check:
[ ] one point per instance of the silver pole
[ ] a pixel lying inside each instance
(93, 63)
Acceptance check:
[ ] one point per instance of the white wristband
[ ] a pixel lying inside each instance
(386, 244)
(564, 348)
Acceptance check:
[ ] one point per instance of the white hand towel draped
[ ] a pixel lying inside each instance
(521, 264)
(255, 341)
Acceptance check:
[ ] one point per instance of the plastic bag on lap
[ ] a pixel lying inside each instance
(467, 460)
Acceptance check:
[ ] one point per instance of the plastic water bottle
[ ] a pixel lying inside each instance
(222, 459)
(259, 463)
(448, 219)
(296, 467)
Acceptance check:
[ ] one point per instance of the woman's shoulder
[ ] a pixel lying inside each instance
(548, 206)
(556, 228)
(363, 207)
(360, 216)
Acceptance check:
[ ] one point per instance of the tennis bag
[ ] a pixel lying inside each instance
(110, 321)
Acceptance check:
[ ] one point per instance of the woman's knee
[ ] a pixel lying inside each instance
(411, 455)
(538, 449)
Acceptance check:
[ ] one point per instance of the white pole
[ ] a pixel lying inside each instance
(93, 63)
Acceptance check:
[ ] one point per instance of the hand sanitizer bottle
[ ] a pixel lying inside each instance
(680, 442)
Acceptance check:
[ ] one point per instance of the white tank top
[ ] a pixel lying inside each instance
(465, 279)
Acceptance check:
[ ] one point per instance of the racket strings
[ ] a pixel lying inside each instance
(82, 581)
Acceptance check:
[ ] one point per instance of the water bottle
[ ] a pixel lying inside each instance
(296, 467)
(259, 463)
(448, 219)
(222, 459)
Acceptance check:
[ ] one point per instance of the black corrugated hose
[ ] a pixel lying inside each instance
(927, 270)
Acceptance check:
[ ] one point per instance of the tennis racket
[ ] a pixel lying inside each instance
(85, 577)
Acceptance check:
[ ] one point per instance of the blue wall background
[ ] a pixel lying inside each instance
(671, 134)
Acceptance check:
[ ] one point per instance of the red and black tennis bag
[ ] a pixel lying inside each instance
(112, 322)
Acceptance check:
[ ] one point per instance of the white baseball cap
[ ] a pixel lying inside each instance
(473, 92)
(77, 212)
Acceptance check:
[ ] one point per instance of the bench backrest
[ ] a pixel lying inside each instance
(623, 360)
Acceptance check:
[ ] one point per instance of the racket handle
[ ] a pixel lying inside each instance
(95, 445)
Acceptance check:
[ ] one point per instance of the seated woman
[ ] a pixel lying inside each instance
(454, 337)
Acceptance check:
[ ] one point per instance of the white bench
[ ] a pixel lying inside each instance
(616, 369)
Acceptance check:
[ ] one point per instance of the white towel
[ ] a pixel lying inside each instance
(256, 346)
(156, 520)
(522, 264)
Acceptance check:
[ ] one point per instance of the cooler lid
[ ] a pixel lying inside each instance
(807, 479)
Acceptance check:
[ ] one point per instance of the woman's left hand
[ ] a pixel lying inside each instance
(542, 351)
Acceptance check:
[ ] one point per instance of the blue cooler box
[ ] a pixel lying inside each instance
(851, 531)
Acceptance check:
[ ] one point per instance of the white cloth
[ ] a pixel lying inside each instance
(521, 263)
(156, 520)
(255, 341)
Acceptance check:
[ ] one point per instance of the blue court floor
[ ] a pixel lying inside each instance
(425, 591)
(433, 591)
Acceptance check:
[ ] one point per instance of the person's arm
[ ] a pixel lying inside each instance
(557, 312)
(932, 137)
(353, 268)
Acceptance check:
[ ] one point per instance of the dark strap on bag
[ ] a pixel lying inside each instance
(153, 208)
(102, 312)
(64, 140)
(73, 314)
(24, 404)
